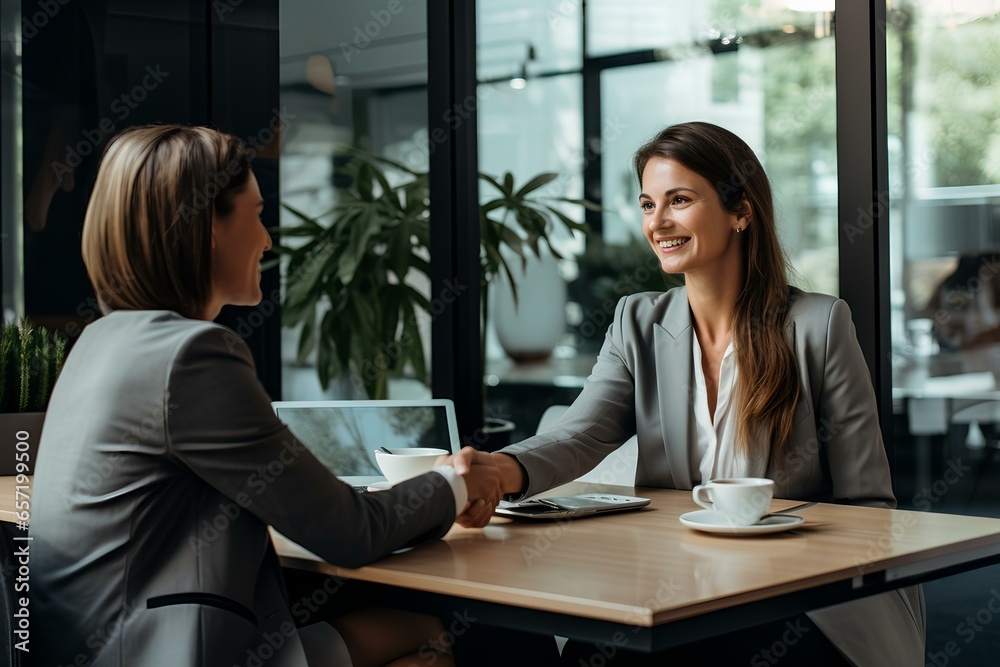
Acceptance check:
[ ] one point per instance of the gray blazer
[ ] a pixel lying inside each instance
(160, 467)
(643, 385)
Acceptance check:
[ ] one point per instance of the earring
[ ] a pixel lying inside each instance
(738, 230)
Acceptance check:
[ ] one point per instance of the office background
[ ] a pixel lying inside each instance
(876, 122)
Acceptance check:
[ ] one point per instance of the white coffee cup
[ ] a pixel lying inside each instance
(407, 462)
(741, 500)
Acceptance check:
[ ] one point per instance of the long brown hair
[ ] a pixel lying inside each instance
(147, 232)
(767, 387)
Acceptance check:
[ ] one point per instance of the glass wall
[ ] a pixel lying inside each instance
(943, 70)
(354, 192)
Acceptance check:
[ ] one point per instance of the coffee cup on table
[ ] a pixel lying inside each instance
(404, 463)
(741, 500)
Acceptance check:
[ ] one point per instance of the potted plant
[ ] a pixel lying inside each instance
(354, 279)
(30, 361)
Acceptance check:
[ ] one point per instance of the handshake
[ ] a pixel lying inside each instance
(487, 477)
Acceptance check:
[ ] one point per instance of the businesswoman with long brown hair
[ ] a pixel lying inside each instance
(735, 374)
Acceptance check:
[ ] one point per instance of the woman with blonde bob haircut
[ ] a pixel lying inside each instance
(161, 464)
(165, 262)
(736, 374)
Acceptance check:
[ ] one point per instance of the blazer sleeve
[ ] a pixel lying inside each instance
(221, 426)
(597, 423)
(848, 422)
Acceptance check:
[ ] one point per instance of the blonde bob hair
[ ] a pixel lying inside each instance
(147, 232)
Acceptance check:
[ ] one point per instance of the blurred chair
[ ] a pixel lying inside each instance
(617, 468)
(986, 412)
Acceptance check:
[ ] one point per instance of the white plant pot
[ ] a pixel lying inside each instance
(530, 330)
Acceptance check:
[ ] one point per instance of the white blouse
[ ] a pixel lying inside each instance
(715, 452)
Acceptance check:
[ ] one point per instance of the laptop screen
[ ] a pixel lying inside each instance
(344, 435)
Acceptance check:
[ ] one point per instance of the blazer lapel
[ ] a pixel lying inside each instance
(675, 381)
(803, 410)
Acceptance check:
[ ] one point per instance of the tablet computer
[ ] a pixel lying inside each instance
(571, 507)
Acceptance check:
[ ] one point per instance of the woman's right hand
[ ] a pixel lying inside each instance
(487, 478)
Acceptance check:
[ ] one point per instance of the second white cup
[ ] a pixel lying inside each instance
(742, 500)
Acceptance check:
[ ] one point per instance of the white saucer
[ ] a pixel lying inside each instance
(713, 522)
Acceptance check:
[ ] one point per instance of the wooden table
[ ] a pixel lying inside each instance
(8, 497)
(645, 577)
(648, 578)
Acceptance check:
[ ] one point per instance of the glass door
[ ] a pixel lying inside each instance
(943, 75)
(354, 190)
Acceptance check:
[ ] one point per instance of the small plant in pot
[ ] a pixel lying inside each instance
(30, 361)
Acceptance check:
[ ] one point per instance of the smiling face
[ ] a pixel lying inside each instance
(239, 241)
(685, 222)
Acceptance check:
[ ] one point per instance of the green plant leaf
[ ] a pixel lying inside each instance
(568, 222)
(417, 297)
(363, 181)
(420, 264)
(307, 339)
(492, 181)
(393, 294)
(585, 203)
(330, 350)
(362, 230)
(308, 222)
(304, 283)
(490, 206)
(270, 264)
(535, 183)
(415, 345)
(296, 232)
(508, 184)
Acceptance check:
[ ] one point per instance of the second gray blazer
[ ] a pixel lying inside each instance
(643, 385)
